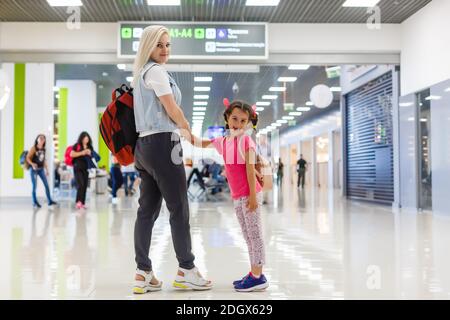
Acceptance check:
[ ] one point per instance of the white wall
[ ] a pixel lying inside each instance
(425, 46)
(81, 109)
(39, 80)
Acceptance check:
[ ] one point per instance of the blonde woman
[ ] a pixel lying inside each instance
(158, 114)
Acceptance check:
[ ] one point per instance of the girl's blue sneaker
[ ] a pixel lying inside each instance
(243, 278)
(252, 284)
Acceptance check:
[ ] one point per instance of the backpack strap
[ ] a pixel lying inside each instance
(146, 68)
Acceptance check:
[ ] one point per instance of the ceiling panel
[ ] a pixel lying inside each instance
(251, 88)
(288, 11)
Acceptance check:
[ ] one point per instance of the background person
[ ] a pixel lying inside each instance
(301, 169)
(38, 167)
(129, 173)
(82, 154)
(280, 172)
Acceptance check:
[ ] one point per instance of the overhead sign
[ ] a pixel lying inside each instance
(200, 41)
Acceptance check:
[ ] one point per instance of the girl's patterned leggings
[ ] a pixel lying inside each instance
(250, 222)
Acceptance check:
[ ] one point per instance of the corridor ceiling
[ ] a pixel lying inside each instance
(287, 11)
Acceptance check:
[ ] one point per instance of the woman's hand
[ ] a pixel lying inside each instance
(87, 152)
(252, 203)
(34, 165)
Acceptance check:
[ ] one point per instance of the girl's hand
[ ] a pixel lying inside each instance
(252, 203)
(259, 176)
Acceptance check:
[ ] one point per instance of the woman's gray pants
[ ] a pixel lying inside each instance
(158, 160)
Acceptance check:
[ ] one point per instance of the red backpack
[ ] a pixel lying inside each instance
(117, 126)
(67, 158)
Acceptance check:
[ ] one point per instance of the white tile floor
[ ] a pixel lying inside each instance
(319, 246)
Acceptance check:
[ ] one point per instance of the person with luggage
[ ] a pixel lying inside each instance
(157, 112)
(82, 154)
(239, 154)
(37, 164)
(301, 169)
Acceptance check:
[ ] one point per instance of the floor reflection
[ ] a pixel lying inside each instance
(319, 246)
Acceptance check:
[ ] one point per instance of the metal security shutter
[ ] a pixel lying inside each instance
(369, 167)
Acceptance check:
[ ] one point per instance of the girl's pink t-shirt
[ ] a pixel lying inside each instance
(235, 167)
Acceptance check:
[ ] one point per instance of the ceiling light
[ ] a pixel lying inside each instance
(200, 103)
(206, 89)
(105, 74)
(163, 2)
(361, 3)
(197, 122)
(55, 89)
(278, 124)
(198, 117)
(121, 66)
(130, 79)
(201, 96)
(309, 103)
(424, 120)
(446, 90)
(335, 89)
(258, 109)
(299, 67)
(198, 113)
(303, 109)
(406, 104)
(289, 105)
(202, 79)
(263, 103)
(287, 79)
(280, 89)
(272, 97)
(288, 118)
(262, 3)
(199, 108)
(295, 113)
(282, 121)
(65, 3)
(433, 98)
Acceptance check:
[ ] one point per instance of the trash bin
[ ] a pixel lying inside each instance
(101, 184)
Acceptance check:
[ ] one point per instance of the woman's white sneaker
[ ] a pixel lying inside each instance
(144, 286)
(191, 279)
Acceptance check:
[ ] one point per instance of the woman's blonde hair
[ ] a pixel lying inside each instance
(149, 40)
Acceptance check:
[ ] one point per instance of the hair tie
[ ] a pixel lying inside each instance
(226, 103)
(254, 109)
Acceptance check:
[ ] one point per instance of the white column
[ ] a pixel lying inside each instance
(81, 109)
(39, 82)
(331, 158)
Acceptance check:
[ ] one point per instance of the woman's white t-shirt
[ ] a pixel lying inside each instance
(157, 79)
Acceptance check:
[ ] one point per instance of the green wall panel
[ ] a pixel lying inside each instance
(62, 122)
(19, 119)
(103, 150)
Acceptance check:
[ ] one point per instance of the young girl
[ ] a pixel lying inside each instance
(239, 153)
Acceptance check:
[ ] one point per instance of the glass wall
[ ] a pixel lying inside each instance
(424, 150)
